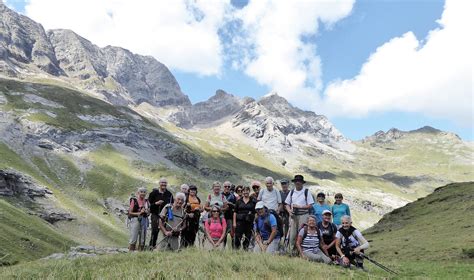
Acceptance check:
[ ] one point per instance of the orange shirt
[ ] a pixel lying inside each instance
(194, 202)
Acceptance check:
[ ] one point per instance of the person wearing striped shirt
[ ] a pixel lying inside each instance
(310, 243)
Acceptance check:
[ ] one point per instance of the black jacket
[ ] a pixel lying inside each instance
(155, 196)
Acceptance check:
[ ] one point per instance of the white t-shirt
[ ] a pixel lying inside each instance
(298, 198)
(271, 199)
(353, 242)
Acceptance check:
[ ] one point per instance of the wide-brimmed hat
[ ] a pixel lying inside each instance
(298, 178)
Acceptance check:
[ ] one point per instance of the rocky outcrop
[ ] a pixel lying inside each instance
(113, 74)
(24, 41)
(84, 251)
(13, 183)
(394, 134)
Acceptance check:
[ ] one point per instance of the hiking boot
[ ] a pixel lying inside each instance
(140, 247)
(131, 247)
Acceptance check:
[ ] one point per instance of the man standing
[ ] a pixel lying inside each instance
(270, 197)
(298, 203)
(158, 198)
(229, 212)
(284, 215)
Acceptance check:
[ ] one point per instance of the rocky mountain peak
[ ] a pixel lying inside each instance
(426, 129)
(24, 41)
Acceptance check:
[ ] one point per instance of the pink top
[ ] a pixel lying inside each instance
(141, 203)
(215, 228)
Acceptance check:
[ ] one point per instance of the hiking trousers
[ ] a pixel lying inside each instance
(296, 223)
(138, 228)
(243, 230)
(271, 249)
(210, 247)
(318, 256)
(155, 229)
(168, 243)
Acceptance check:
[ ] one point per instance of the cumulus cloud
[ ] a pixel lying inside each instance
(183, 34)
(433, 77)
(275, 51)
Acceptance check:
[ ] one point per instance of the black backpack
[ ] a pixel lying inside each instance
(266, 222)
(346, 245)
(305, 233)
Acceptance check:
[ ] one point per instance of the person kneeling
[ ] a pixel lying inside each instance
(350, 244)
(215, 230)
(266, 233)
(309, 242)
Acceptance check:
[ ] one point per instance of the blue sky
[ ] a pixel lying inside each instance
(342, 46)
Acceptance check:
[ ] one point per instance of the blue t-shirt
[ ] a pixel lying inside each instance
(339, 210)
(318, 210)
(263, 230)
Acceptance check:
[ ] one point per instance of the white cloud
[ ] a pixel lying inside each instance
(434, 78)
(275, 51)
(183, 34)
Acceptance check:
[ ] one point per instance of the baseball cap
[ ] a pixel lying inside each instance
(259, 205)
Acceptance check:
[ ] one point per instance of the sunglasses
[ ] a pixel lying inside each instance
(215, 211)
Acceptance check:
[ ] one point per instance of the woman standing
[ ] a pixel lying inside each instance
(193, 212)
(138, 212)
(244, 215)
(339, 209)
(215, 230)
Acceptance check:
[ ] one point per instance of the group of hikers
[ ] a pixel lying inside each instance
(262, 220)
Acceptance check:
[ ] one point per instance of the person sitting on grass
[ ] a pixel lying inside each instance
(267, 236)
(215, 230)
(172, 223)
(309, 242)
(350, 244)
(138, 219)
(328, 232)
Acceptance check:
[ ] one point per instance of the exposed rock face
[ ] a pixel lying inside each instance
(394, 134)
(86, 251)
(111, 73)
(273, 119)
(22, 40)
(217, 108)
(13, 183)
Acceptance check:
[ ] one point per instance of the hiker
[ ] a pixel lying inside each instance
(319, 206)
(350, 243)
(243, 218)
(216, 197)
(229, 212)
(256, 189)
(193, 213)
(270, 196)
(138, 219)
(328, 232)
(267, 236)
(158, 198)
(298, 202)
(339, 209)
(184, 189)
(238, 192)
(309, 242)
(284, 215)
(215, 229)
(172, 222)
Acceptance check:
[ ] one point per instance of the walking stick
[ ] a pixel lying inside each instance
(378, 264)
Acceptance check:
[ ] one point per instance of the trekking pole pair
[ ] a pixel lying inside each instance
(378, 264)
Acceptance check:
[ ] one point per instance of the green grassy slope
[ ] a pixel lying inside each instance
(435, 228)
(27, 237)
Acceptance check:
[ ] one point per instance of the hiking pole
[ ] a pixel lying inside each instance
(378, 264)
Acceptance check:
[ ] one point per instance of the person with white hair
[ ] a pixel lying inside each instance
(172, 218)
(184, 189)
(158, 198)
(270, 196)
(350, 243)
(216, 198)
(138, 212)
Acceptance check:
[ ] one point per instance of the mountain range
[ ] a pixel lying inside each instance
(82, 126)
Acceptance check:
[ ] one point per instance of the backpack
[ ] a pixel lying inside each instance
(346, 245)
(267, 225)
(209, 221)
(305, 233)
(311, 209)
(136, 208)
